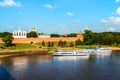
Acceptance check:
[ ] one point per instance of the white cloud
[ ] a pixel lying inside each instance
(70, 14)
(118, 10)
(48, 6)
(110, 30)
(112, 20)
(117, 1)
(104, 21)
(115, 20)
(63, 26)
(10, 3)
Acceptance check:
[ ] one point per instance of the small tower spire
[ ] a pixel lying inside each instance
(19, 29)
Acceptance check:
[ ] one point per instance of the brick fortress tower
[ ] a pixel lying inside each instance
(80, 36)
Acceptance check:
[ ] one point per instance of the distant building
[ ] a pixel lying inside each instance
(19, 34)
(33, 29)
(44, 36)
(65, 35)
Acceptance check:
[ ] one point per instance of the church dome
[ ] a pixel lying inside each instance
(33, 29)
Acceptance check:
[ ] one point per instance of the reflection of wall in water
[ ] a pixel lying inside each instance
(0, 62)
(62, 58)
(20, 61)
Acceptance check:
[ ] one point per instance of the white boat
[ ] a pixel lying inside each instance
(70, 53)
(91, 50)
(103, 50)
(98, 50)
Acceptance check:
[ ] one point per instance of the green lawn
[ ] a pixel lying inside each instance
(86, 46)
(116, 45)
(23, 46)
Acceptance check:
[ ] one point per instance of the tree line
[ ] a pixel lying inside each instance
(65, 35)
(59, 44)
(103, 38)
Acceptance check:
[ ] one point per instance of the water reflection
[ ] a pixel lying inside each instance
(0, 62)
(93, 67)
(102, 55)
(90, 57)
(20, 61)
(99, 57)
(70, 58)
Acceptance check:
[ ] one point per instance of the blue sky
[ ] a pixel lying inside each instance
(60, 16)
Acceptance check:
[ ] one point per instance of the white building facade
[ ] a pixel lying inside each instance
(44, 36)
(19, 34)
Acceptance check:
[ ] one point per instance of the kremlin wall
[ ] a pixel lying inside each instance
(36, 40)
(19, 37)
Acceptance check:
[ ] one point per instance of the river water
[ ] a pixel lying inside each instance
(94, 67)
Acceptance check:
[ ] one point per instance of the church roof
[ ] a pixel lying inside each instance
(19, 30)
(33, 29)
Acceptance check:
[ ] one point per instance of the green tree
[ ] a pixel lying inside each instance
(64, 43)
(52, 44)
(54, 35)
(72, 35)
(88, 37)
(100, 39)
(43, 43)
(60, 43)
(2, 34)
(71, 44)
(97, 38)
(49, 44)
(108, 38)
(7, 40)
(78, 42)
(116, 39)
(32, 34)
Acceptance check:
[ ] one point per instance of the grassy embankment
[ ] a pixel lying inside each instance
(17, 48)
(38, 46)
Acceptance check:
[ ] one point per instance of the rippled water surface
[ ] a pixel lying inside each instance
(94, 67)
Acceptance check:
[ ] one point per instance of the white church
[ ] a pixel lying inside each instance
(23, 34)
(19, 34)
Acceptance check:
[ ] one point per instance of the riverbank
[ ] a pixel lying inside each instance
(114, 48)
(8, 53)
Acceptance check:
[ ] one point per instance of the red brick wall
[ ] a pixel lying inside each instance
(35, 40)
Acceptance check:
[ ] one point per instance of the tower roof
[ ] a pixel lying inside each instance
(33, 29)
(19, 30)
(80, 32)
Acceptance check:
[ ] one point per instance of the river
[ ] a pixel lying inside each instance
(46, 67)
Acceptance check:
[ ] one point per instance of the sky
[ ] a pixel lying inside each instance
(60, 16)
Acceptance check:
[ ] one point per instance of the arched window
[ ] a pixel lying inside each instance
(19, 34)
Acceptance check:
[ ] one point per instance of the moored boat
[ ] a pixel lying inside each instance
(98, 50)
(103, 50)
(70, 53)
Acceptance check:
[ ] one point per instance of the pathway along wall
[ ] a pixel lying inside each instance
(36, 40)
